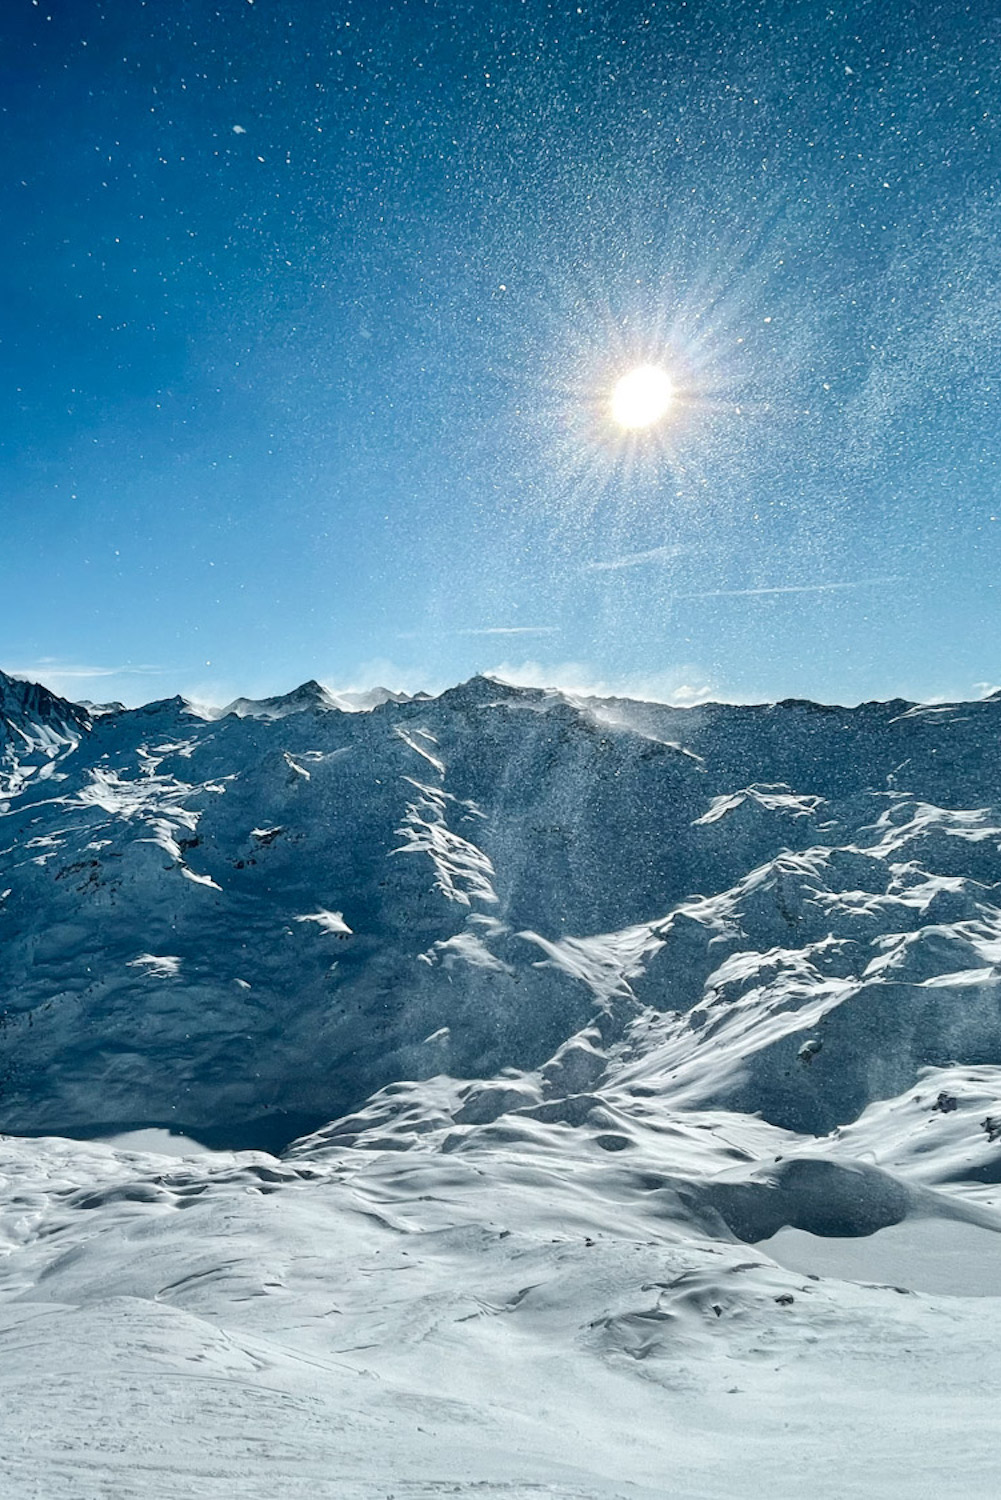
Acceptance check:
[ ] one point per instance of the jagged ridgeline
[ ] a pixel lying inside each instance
(242, 923)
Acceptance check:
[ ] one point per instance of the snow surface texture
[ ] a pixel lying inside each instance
(607, 1098)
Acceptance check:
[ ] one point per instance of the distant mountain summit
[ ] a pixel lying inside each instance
(37, 729)
(31, 711)
(310, 697)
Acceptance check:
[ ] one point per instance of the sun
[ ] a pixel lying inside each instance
(642, 397)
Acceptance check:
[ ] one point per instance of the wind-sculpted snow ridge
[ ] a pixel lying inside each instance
(634, 1076)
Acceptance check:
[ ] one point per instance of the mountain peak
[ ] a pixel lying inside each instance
(307, 696)
(311, 697)
(481, 689)
(27, 706)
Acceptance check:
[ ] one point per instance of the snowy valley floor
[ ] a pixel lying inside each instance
(482, 1322)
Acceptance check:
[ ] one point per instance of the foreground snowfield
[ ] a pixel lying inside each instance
(630, 1077)
(490, 1323)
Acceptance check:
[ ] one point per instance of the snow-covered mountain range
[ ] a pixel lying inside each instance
(559, 1003)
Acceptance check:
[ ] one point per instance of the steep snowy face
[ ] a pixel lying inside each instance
(37, 729)
(32, 718)
(244, 926)
(27, 708)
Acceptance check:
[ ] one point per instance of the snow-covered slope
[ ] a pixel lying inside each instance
(241, 926)
(609, 1033)
(37, 730)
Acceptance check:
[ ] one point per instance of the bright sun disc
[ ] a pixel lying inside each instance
(642, 397)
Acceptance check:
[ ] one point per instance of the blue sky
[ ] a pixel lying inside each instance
(311, 314)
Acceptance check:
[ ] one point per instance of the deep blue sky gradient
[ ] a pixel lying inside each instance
(310, 313)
